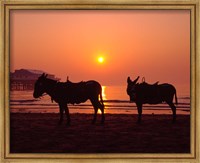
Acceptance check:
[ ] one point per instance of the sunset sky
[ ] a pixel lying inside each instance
(150, 43)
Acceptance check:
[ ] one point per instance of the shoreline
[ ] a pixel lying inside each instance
(40, 133)
(88, 110)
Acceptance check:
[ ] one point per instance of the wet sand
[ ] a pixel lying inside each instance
(40, 133)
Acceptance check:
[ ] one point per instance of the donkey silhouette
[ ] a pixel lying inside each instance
(64, 93)
(144, 93)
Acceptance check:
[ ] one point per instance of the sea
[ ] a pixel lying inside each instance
(115, 99)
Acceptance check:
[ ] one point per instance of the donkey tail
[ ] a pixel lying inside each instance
(101, 99)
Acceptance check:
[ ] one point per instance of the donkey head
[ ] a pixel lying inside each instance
(131, 88)
(39, 88)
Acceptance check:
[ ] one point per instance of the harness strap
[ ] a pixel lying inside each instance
(52, 99)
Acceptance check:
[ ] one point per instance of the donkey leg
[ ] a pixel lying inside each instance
(102, 113)
(94, 104)
(67, 115)
(95, 115)
(173, 107)
(61, 114)
(139, 108)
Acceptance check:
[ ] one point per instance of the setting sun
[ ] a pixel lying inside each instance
(100, 59)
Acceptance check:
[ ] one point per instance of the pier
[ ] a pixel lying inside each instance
(24, 79)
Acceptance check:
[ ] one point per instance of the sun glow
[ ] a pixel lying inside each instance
(100, 59)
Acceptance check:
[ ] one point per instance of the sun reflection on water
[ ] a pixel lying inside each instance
(103, 92)
(104, 98)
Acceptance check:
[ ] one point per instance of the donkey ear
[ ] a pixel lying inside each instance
(129, 80)
(46, 75)
(135, 81)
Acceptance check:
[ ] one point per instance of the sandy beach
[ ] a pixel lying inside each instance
(39, 133)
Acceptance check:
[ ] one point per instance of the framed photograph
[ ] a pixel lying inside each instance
(99, 81)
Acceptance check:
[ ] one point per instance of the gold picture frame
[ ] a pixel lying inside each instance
(7, 6)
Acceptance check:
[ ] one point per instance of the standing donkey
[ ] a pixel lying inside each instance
(144, 93)
(64, 93)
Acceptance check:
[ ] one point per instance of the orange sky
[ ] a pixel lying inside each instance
(150, 43)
